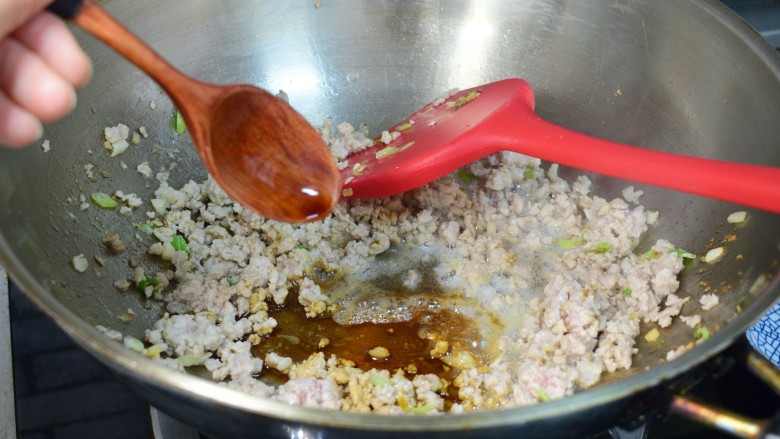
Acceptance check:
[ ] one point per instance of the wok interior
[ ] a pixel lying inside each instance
(684, 78)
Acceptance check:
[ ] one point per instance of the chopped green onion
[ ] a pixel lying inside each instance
(293, 339)
(231, 280)
(465, 176)
(568, 244)
(427, 408)
(404, 404)
(403, 126)
(134, 344)
(386, 152)
(627, 292)
(378, 380)
(127, 317)
(300, 247)
(687, 257)
(146, 227)
(652, 335)
(601, 247)
(148, 281)
(178, 122)
(682, 253)
(153, 351)
(104, 200)
(390, 150)
(702, 333)
(529, 173)
(650, 255)
(358, 169)
(192, 360)
(180, 244)
(463, 100)
(542, 394)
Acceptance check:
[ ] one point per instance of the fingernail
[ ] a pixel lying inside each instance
(90, 72)
(73, 101)
(39, 132)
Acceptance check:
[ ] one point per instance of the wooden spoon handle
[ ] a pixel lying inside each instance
(65, 9)
(93, 19)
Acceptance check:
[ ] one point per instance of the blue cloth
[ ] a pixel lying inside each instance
(765, 335)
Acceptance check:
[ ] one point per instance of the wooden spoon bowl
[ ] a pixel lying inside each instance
(262, 153)
(300, 183)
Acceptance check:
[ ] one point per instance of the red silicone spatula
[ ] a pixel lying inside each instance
(499, 116)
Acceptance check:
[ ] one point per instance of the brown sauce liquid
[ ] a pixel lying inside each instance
(409, 342)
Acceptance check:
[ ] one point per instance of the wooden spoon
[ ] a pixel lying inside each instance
(262, 153)
(474, 123)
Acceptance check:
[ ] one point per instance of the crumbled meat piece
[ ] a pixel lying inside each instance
(144, 169)
(132, 200)
(709, 301)
(116, 139)
(110, 333)
(632, 195)
(312, 298)
(88, 170)
(379, 352)
(692, 321)
(311, 392)
(80, 263)
(114, 243)
(411, 279)
(282, 364)
(83, 203)
(674, 353)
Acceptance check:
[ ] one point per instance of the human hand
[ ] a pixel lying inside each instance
(41, 65)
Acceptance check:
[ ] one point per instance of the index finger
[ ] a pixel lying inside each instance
(14, 13)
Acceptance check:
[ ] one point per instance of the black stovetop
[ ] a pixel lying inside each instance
(61, 392)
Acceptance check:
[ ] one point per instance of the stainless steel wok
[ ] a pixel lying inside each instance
(685, 76)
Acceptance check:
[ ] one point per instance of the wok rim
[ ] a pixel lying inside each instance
(144, 370)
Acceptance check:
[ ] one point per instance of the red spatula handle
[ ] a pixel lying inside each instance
(749, 185)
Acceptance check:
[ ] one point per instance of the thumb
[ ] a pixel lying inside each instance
(14, 13)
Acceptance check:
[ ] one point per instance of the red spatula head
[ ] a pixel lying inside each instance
(438, 139)
(499, 116)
